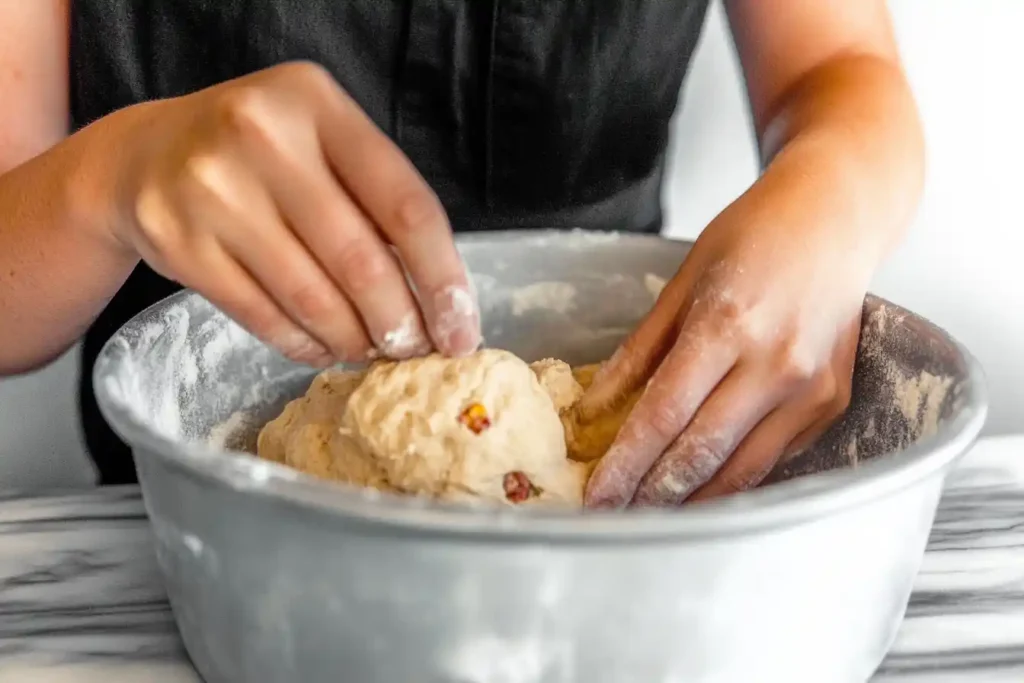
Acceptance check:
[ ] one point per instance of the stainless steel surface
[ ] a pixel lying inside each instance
(276, 577)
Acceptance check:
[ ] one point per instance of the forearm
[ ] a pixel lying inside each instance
(843, 153)
(59, 265)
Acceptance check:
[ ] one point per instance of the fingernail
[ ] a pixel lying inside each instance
(646, 504)
(323, 362)
(463, 342)
(303, 349)
(604, 492)
(456, 321)
(405, 340)
(604, 504)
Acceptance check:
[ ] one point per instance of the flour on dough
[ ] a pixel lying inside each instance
(401, 427)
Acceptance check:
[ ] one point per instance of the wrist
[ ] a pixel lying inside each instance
(832, 196)
(853, 131)
(97, 162)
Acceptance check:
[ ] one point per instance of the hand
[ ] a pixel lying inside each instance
(747, 358)
(278, 199)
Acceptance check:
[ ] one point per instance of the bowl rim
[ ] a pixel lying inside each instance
(782, 504)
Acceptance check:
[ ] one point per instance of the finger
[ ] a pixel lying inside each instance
(809, 436)
(639, 355)
(690, 372)
(756, 456)
(196, 260)
(236, 293)
(790, 428)
(737, 404)
(227, 200)
(347, 245)
(388, 188)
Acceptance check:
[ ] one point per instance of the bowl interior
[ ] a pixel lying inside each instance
(184, 371)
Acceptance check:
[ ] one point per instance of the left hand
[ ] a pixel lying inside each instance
(747, 357)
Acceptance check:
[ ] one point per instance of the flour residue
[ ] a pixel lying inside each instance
(180, 372)
(920, 399)
(404, 339)
(152, 384)
(559, 297)
(225, 435)
(221, 338)
(576, 239)
(906, 404)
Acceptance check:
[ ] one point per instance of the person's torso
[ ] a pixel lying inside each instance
(519, 113)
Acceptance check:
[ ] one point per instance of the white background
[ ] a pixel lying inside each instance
(961, 266)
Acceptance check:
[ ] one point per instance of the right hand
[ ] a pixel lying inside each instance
(277, 198)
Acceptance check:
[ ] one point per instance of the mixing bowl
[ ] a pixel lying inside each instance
(274, 576)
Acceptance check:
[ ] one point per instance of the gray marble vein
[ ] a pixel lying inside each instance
(81, 598)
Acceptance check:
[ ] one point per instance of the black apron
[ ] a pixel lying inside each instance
(519, 113)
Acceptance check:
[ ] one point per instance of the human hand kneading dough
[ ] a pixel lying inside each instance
(747, 357)
(276, 197)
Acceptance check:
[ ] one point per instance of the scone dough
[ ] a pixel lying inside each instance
(403, 427)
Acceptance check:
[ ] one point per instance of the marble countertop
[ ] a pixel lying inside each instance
(81, 598)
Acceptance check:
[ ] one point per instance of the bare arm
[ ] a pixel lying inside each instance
(273, 195)
(748, 354)
(57, 270)
(832, 109)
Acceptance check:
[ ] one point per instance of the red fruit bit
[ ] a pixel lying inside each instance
(518, 487)
(475, 418)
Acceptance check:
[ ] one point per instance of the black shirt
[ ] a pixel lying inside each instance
(519, 113)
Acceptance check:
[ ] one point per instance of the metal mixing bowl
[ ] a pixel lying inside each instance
(274, 576)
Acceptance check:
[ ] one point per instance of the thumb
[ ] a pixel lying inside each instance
(637, 357)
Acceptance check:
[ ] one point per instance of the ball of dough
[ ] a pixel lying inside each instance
(414, 416)
(486, 426)
(308, 436)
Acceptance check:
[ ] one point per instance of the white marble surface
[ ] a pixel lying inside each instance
(81, 599)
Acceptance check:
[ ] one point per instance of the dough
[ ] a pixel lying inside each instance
(591, 440)
(487, 426)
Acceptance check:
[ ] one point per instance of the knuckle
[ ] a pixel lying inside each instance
(311, 302)
(245, 111)
(686, 466)
(730, 313)
(824, 392)
(703, 454)
(708, 319)
(359, 266)
(207, 171)
(316, 76)
(155, 219)
(734, 321)
(305, 71)
(842, 394)
(311, 82)
(665, 419)
(794, 363)
(258, 316)
(416, 211)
